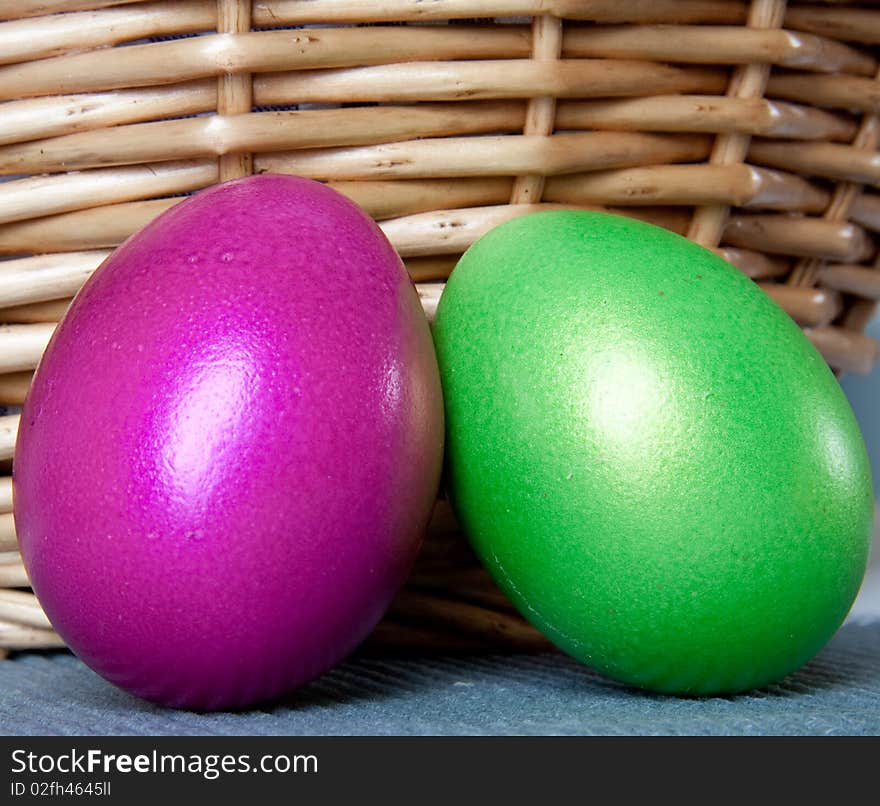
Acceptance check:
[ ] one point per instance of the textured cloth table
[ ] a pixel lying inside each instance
(838, 693)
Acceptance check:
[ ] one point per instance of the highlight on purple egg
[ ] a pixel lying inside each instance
(231, 447)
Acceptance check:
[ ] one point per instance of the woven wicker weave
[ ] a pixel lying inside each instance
(750, 127)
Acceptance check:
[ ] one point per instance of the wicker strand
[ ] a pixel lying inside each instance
(18, 9)
(54, 116)
(48, 37)
(297, 12)
(865, 169)
(541, 111)
(13, 390)
(850, 24)
(5, 494)
(344, 53)
(8, 432)
(845, 197)
(12, 575)
(836, 91)
(749, 81)
(235, 93)
(21, 607)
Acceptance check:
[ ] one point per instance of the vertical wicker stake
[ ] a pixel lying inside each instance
(748, 81)
(234, 92)
(541, 112)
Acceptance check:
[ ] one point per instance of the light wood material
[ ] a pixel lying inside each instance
(807, 306)
(46, 277)
(293, 12)
(5, 494)
(228, 53)
(845, 350)
(510, 78)
(488, 156)
(20, 637)
(748, 81)
(39, 196)
(850, 24)
(857, 280)
(741, 185)
(55, 115)
(829, 160)
(235, 91)
(12, 575)
(38, 118)
(263, 131)
(429, 296)
(800, 236)
(22, 345)
(17, 9)
(832, 91)
(322, 52)
(7, 538)
(451, 231)
(541, 111)
(857, 316)
(34, 313)
(865, 210)
(757, 265)
(707, 44)
(14, 387)
(8, 432)
(29, 39)
(707, 113)
(19, 607)
(641, 11)
(749, 125)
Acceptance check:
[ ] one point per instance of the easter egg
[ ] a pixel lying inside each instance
(649, 456)
(231, 446)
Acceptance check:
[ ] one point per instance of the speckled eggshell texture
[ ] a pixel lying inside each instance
(647, 453)
(231, 446)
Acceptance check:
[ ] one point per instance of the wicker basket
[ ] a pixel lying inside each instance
(750, 127)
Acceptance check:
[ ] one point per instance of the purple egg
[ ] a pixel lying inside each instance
(231, 447)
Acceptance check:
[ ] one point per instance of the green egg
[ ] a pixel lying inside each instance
(648, 455)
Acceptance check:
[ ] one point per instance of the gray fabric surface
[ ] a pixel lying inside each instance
(838, 693)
